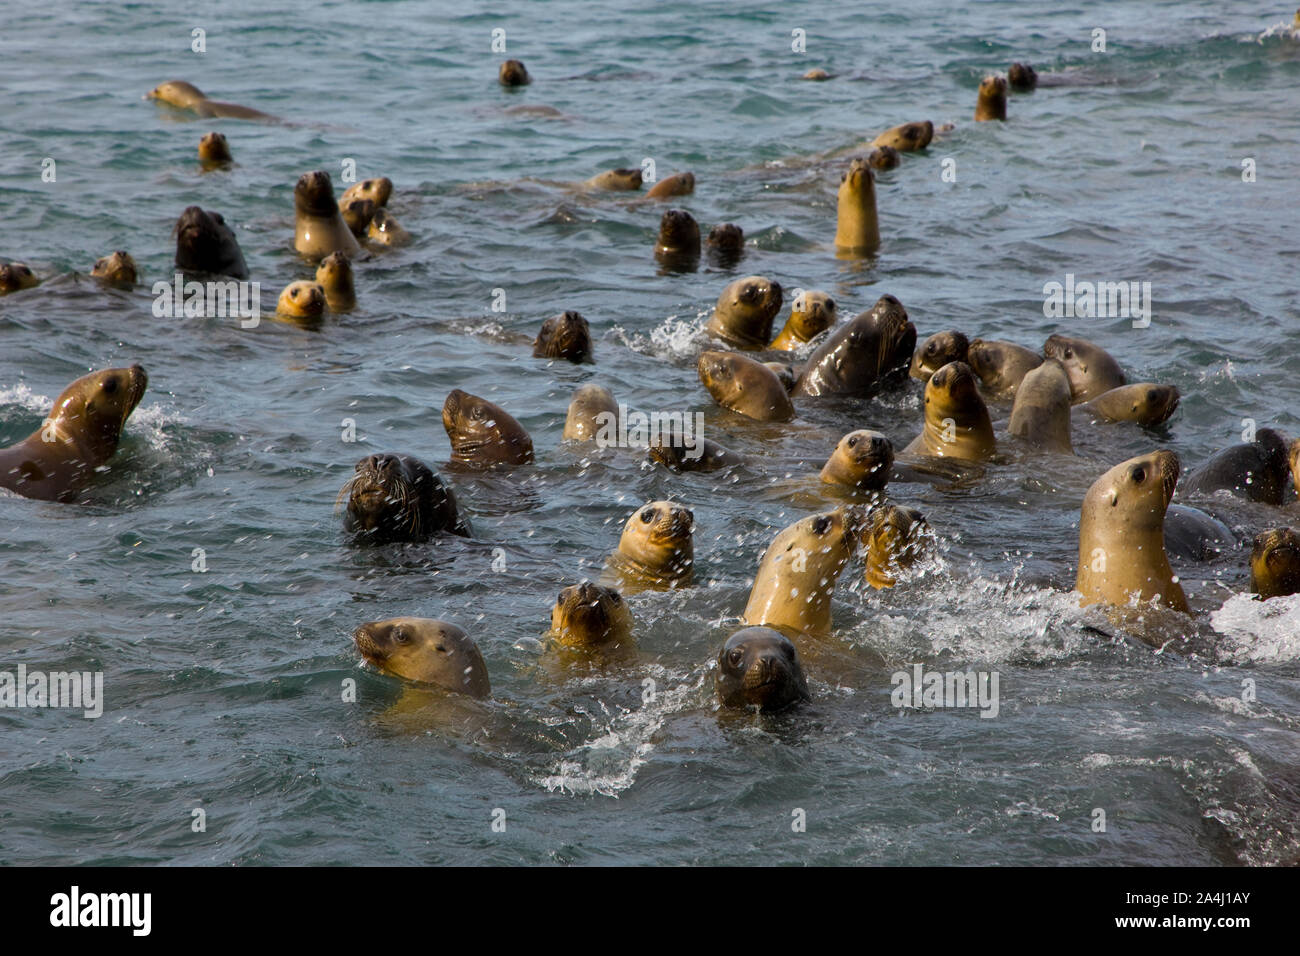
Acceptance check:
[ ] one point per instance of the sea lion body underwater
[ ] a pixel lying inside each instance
(206, 245)
(319, 228)
(398, 498)
(797, 573)
(759, 667)
(425, 650)
(1256, 471)
(862, 356)
(482, 434)
(187, 96)
(857, 227)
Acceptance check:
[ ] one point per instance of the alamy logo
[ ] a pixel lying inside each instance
(639, 430)
(103, 909)
(83, 690)
(1098, 300)
(209, 300)
(919, 688)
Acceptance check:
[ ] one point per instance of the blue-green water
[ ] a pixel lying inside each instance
(224, 688)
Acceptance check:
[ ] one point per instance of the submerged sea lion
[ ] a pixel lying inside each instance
(678, 244)
(857, 230)
(117, 268)
(785, 373)
(513, 73)
(957, 421)
(907, 137)
(759, 667)
(936, 352)
(398, 498)
(811, 314)
(589, 615)
(675, 453)
(1021, 77)
(378, 189)
(797, 573)
(1145, 403)
(679, 184)
(1255, 471)
(744, 312)
(301, 300)
(187, 96)
(884, 157)
(1275, 563)
(862, 459)
(745, 386)
(1193, 535)
(214, 151)
(385, 230)
(817, 73)
(726, 244)
(482, 434)
(334, 276)
(564, 336)
(358, 213)
(656, 549)
(205, 244)
(865, 354)
(15, 276)
(991, 103)
(425, 650)
(894, 539)
(1041, 413)
(1001, 366)
(587, 409)
(319, 228)
(623, 180)
(1091, 368)
(78, 437)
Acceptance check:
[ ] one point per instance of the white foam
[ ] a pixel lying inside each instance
(1259, 630)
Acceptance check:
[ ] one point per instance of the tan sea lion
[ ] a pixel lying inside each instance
(936, 352)
(214, 151)
(1256, 471)
(862, 459)
(1275, 563)
(358, 213)
(894, 539)
(656, 549)
(1293, 460)
(398, 498)
(1001, 366)
(1021, 77)
(513, 73)
(817, 73)
(884, 157)
(15, 276)
(117, 268)
(319, 228)
(205, 244)
(187, 96)
(811, 314)
(301, 300)
(1145, 403)
(744, 312)
(726, 244)
(759, 667)
(957, 421)
(678, 245)
(869, 352)
(385, 230)
(1041, 413)
(334, 276)
(78, 437)
(622, 180)
(1121, 534)
(857, 230)
(587, 413)
(745, 386)
(590, 615)
(797, 573)
(1091, 368)
(564, 336)
(482, 434)
(425, 650)
(907, 137)
(679, 184)
(377, 189)
(992, 101)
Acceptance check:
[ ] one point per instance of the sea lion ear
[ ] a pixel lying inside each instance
(1114, 497)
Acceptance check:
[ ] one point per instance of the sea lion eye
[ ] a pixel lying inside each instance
(1151, 395)
(1139, 475)
(400, 636)
(648, 515)
(615, 598)
(736, 657)
(830, 305)
(110, 385)
(853, 441)
(1068, 353)
(440, 649)
(821, 524)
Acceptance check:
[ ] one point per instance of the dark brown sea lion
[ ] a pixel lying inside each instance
(678, 245)
(726, 244)
(482, 434)
(513, 73)
(205, 244)
(1256, 471)
(1022, 77)
(864, 355)
(564, 336)
(759, 667)
(398, 498)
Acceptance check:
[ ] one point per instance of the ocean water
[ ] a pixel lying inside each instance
(223, 688)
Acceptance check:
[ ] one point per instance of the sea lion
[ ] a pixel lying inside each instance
(759, 667)
(869, 352)
(319, 228)
(1001, 366)
(15, 276)
(482, 434)
(1193, 535)
(857, 231)
(398, 498)
(1275, 563)
(991, 103)
(301, 300)
(587, 413)
(656, 549)
(744, 312)
(117, 268)
(425, 650)
(377, 189)
(1091, 368)
(884, 157)
(907, 137)
(385, 230)
(726, 244)
(1121, 534)
(862, 459)
(564, 336)
(205, 244)
(1293, 459)
(623, 180)
(957, 421)
(797, 573)
(786, 374)
(894, 539)
(513, 73)
(334, 275)
(817, 73)
(214, 151)
(187, 96)
(936, 352)
(745, 386)
(358, 213)
(675, 453)
(1022, 77)
(77, 438)
(678, 244)
(1041, 413)
(679, 184)
(1256, 471)
(1145, 403)
(811, 314)
(589, 615)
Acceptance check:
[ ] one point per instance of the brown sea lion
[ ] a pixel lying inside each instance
(78, 437)
(398, 498)
(678, 244)
(656, 549)
(513, 73)
(744, 312)
(745, 386)
(908, 137)
(862, 459)
(797, 573)
(1022, 77)
(1145, 403)
(1001, 366)
(377, 189)
(482, 434)
(680, 452)
(205, 244)
(811, 314)
(857, 229)
(15, 276)
(187, 96)
(957, 421)
(301, 300)
(425, 650)
(679, 184)
(1256, 471)
(117, 268)
(621, 180)
(592, 409)
(936, 352)
(214, 151)
(1121, 534)
(862, 356)
(319, 228)
(759, 667)
(1091, 368)
(590, 615)
(992, 101)
(894, 539)
(726, 244)
(334, 276)
(358, 213)
(564, 336)
(817, 73)
(1041, 413)
(385, 230)
(1275, 563)
(785, 372)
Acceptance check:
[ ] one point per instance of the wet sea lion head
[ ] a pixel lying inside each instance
(425, 650)
(759, 667)
(513, 73)
(937, 351)
(117, 268)
(1275, 563)
(564, 336)
(587, 615)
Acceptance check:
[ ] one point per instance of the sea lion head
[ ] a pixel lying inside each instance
(862, 459)
(895, 337)
(937, 351)
(1153, 404)
(992, 101)
(591, 409)
(759, 667)
(482, 433)
(678, 233)
(884, 157)
(1092, 370)
(93, 410)
(1293, 461)
(917, 135)
(894, 538)
(377, 189)
(117, 268)
(1000, 366)
(314, 194)
(512, 73)
(425, 650)
(678, 184)
(15, 276)
(1135, 494)
(1022, 77)
(657, 538)
(301, 300)
(798, 571)
(564, 336)
(627, 179)
(204, 243)
(811, 314)
(397, 498)
(952, 392)
(858, 177)
(358, 213)
(1275, 563)
(177, 93)
(737, 382)
(335, 273)
(745, 311)
(587, 615)
(385, 230)
(213, 149)
(726, 244)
